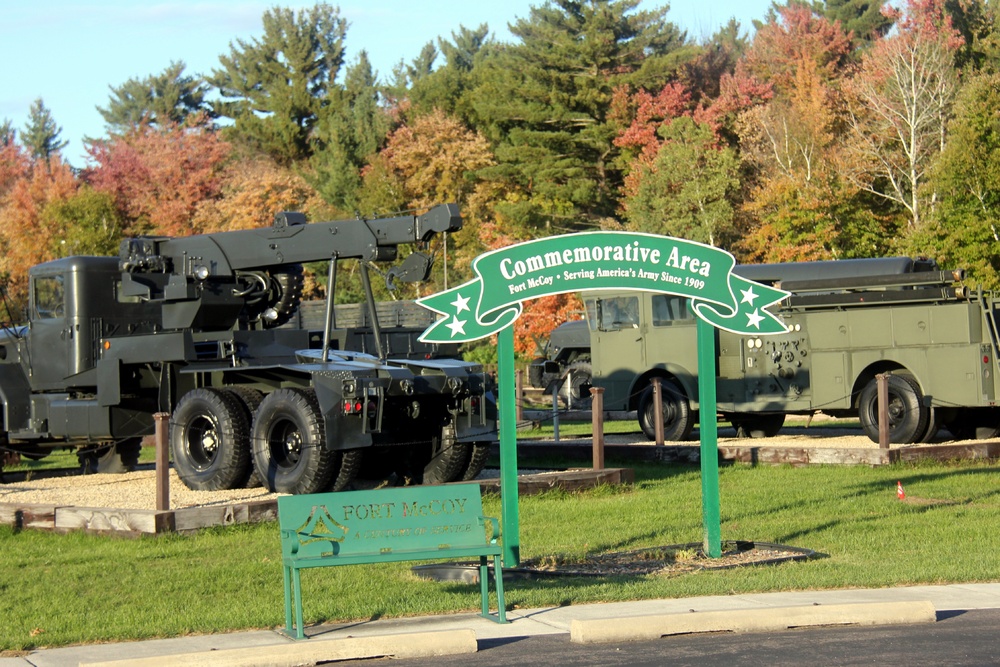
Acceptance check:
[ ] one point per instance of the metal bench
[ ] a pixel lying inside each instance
(386, 525)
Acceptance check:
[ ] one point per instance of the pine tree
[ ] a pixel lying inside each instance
(276, 87)
(7, 133)
(41, 134)
(545, 102)
(168, 97)
(353, 128)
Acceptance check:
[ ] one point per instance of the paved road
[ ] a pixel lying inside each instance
(958, 639)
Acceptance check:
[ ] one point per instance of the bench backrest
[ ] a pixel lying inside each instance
(382, 521)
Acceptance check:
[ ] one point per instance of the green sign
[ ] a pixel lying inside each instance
(601, 260)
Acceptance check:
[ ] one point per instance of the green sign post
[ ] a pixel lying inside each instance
(506, 278)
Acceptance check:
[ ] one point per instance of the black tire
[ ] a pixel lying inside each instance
(575, 385)
(447, 460)
(208, 440)
(350, 461)
(757, 426)
(677, 417)
(249, 399)
(908, 416)
(477, 460)
(289, 443)
(114, 459)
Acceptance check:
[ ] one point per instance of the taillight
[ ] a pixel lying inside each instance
(353, 406)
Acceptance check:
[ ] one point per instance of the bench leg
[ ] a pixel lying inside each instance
(484, 591)
(297, 596)
(498, 578)
(288, 599)
(484, 585)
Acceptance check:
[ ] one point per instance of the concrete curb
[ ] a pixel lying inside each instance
(749, 620)
(311, 652)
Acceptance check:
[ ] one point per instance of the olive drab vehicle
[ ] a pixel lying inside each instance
(193, 326)
(848, 321)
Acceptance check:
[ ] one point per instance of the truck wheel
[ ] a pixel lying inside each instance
(289, 443)
(576, 383)
(448, 459)
(907, 414)
(115, 459)
(249, 400)
(350, 466)
(677, 418)
(208, 436)
(757, 426)
(477, 460)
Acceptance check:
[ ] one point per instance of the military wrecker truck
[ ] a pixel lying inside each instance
(192, 326)
(848, 321)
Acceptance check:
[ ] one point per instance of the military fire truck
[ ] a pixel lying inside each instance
(192, 326)
(848, 321)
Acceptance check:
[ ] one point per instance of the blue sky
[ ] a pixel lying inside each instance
(69, 52)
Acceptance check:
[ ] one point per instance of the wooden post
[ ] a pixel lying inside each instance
(162, 462)
(658, 411)
(597, 420)
(882, 380)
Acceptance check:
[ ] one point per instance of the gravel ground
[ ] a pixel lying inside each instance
(136, 490)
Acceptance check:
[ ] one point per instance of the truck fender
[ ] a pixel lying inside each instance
(15, 393)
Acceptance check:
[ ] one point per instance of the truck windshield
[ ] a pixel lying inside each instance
(619, 312)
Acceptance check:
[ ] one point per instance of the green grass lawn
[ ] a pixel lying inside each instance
(75, 588)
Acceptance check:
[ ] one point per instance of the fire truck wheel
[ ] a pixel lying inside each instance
(208, 436)
(289, 443)
(677, 417)
(907, 414)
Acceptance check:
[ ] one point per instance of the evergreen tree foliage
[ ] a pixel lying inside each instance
(863, 19)
(41, 134)
(276, 87)
(7, 132)
(545, 103)
(446, 87)
(353, 128)
(168, 97)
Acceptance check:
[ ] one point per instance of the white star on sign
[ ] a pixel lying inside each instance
(754, 320)
(457, 326)
(748, 295)
(461, 303)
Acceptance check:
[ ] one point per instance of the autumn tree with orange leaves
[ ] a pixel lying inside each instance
(29, 234)
(159, 177)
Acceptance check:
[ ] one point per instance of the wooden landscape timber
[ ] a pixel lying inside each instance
(135, 522)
